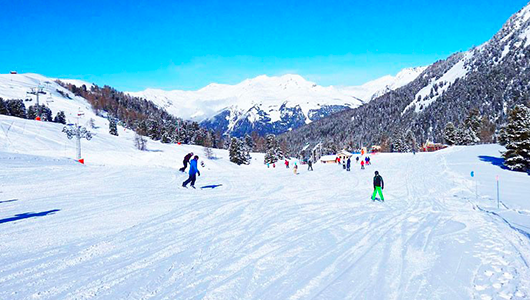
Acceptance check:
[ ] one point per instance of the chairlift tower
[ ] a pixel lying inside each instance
(79, 132)
(37, 91)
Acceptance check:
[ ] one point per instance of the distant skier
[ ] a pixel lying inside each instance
(344, 164)
(348, 164)
(193, 172)
(362, 164)
(268, 165)
(357, 159)
(186, 161)
(379, 185)
(286, 164)
(295, 169)
(368, 160)
(309, 165)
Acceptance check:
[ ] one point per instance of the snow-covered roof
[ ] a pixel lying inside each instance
(328, 157)
(344, 152)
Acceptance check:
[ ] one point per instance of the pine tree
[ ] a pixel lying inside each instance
(32, 113)
(410, 141)
(60, 118)
(450, 134)
(398, 145)
(469, 130)
(249, 142)
(273, 151)
(113, 128)
(516, 138)
(16, 108)
(3, 107)
(46, 113)
(238, 152)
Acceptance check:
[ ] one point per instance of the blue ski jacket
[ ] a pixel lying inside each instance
(193, 167)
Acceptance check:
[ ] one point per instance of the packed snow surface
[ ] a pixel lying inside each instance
(122, 227)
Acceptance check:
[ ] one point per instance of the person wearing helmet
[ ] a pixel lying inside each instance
(379, 185)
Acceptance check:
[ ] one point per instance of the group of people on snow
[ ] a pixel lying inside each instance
(194, 170)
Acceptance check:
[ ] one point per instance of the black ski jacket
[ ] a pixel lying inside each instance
(188, 157)
(378, 181)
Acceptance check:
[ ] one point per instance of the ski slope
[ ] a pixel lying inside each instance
(121, 227)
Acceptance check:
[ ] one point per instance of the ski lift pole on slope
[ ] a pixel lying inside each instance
(79, 132)
(476, 184)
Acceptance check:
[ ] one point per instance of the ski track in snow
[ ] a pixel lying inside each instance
(134, 233)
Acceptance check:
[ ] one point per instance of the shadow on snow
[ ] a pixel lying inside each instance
(496, 161)
(29, 215)
(6, 201)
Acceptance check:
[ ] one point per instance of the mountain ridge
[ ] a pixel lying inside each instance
(269, 104)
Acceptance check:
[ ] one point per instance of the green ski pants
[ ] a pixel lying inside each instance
(378, 189)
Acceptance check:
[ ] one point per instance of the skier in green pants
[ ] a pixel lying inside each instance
(379, 185)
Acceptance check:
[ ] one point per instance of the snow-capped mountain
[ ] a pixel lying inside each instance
(491, 78)
(269, 104)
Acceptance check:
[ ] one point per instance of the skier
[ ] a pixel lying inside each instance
(357, 159)
(193, 172)
(186, 161)
(295, 169)
(379, 185)
(348, 164)
(362, 164)
(268, 165)
(286, 164)
(310, 165)
(344, 164)
(368, 160)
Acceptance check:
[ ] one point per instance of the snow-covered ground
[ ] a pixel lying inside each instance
(121, 227)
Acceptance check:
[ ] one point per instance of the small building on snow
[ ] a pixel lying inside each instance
(344, 155)
(328, 159)
(431, 147)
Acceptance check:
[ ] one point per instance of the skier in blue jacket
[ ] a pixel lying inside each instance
(193, 172)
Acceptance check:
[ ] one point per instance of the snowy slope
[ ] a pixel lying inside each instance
(16, 86)
(268, 99)
(508, 43)
(120, 227)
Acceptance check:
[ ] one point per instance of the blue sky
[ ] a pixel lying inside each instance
(132, 45)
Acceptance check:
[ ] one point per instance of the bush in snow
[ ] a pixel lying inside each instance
(92, 123)
(113, 128)
(208, 152)
(515, 136)
(140, 142)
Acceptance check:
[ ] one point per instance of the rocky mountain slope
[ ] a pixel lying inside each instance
(270, 104)
(491, 78)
